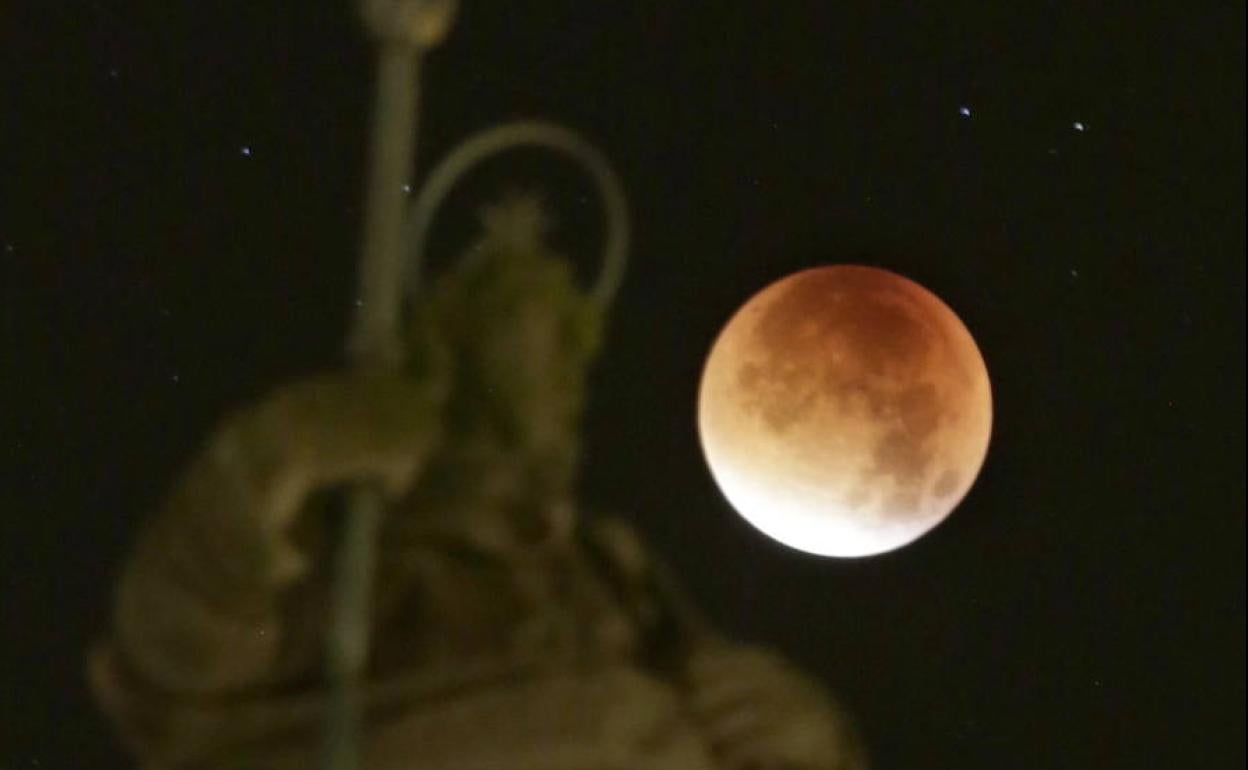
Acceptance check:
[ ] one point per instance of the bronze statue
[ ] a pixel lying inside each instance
(507, 633)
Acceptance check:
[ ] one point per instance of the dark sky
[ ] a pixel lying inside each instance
(179, 214)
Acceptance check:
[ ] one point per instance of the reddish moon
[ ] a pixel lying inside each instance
(845, 411)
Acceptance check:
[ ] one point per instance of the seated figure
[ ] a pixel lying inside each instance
(505, 632)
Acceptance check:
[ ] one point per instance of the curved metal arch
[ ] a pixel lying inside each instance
(530, 133)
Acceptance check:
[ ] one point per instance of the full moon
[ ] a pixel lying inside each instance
(845, 411)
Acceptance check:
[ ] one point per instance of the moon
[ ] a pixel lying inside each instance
(845, 411)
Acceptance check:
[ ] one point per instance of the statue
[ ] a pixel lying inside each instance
(507, 633)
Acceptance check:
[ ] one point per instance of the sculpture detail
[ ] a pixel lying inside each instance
(507, 632)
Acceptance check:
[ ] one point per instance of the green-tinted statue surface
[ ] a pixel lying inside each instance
(507, 634)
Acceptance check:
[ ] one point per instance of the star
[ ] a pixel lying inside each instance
(1079, 126)
(964, 111)
(175, 378)
(245, 151)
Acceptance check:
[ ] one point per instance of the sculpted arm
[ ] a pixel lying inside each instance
(199, 611)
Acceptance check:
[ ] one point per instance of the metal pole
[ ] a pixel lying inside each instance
(404, 28)
(374, 345)
(374, 341)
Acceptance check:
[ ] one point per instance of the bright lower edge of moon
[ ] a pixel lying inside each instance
(845, 411)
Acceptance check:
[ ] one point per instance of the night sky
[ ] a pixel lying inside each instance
(180, 190)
